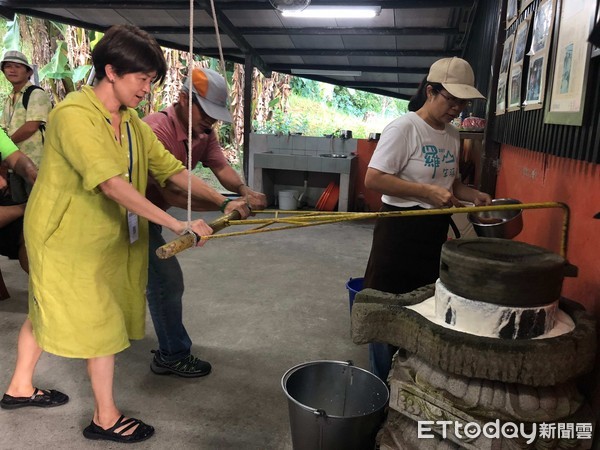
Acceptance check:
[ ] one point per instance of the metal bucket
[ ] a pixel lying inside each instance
(334, 405)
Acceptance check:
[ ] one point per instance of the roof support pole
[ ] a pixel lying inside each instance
(491, 150)
(248, 70)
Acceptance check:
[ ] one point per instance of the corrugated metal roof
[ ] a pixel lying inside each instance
(392, 51)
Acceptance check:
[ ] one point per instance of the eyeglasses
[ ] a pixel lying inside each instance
(209, 120)
(453, 101)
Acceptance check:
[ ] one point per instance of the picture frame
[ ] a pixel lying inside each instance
(534, 92)
(520, 42)
(501, 95)
(596, 36)
(515, 79)
(514, 89)
(525, 4)
(570, 62)
(543, 22)
(512, 11)
(507, 54)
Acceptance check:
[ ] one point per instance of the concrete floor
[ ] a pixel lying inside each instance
(254, 306)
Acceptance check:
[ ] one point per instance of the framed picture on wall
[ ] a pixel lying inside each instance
(534, 94)
(570, 63)
(514, 89)
(595, 37)
(506, 54)
(542, 27)
(512, 11)
(520, 42)
(516, 68)
(501, 95)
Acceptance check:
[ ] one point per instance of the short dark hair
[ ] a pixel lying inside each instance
(129, 50)
(418, 100)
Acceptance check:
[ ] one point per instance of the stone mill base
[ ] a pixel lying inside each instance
(444, 405)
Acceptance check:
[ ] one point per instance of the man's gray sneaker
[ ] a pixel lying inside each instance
(188, 367)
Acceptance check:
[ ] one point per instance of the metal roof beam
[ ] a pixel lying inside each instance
(224, 5)
(375, 69)
(225, 24)
(382, 84)
(352, 31)
(319, 31)
(353, 52)
(371, 87)
(96, 4)
(386, 4)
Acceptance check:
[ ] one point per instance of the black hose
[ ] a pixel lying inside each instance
(455, 229)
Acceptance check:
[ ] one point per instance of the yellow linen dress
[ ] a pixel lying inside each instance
(87, 282)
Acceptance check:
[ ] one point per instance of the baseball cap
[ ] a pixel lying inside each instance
(210, 90)
(456, 75)
(16, 57)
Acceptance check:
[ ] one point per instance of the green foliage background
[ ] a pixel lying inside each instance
(312, 111)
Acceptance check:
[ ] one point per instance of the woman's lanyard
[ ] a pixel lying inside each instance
(132, 218)
(130, 168)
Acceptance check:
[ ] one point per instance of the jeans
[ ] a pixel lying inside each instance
(380, 359)
(164, 293)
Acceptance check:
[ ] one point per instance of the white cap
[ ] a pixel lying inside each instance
(456, 75)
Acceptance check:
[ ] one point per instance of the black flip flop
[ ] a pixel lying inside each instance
(141, 433)
(40, 398)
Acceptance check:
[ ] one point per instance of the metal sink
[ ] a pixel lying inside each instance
(333, 155)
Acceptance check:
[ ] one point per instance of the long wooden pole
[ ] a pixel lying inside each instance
(303, 219)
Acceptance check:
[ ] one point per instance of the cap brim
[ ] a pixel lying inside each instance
(463, 91)
(213, 110)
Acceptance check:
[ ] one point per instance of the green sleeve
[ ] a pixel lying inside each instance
(7, 147)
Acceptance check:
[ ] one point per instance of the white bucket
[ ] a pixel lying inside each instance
(288, 200)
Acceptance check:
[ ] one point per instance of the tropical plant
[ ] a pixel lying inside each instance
(306, 88)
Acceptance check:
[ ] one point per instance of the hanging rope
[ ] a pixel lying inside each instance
(190, 100)
(218, 35)
(190, 64)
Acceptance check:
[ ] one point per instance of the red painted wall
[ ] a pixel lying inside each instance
(364, 151)
(533, 177)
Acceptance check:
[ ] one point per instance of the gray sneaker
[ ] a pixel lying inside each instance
(188, 367)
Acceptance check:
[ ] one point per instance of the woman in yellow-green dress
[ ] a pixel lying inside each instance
(86, 229)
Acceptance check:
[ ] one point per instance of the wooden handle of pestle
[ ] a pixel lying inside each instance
(188, 240)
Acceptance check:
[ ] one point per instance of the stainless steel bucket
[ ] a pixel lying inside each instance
(334, 405)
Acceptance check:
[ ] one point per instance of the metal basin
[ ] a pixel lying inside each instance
(334, 405)
(333, 155)
(498, 224)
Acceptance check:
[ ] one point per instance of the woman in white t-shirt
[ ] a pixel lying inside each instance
(415, 166)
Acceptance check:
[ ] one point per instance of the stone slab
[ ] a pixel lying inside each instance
(383, 317)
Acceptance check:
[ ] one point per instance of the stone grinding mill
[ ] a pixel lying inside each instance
(491, 341)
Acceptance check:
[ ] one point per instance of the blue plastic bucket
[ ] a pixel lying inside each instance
(353, 285)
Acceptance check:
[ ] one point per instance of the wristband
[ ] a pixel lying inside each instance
(224, 204)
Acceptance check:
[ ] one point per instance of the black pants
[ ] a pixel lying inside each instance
(405, 255)
(11, 235)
